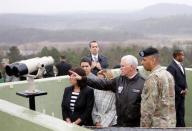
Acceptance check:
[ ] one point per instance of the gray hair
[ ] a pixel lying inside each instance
(130, 59)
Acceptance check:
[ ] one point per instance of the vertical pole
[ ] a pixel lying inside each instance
(32, 103)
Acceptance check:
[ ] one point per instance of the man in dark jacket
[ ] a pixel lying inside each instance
(178, 71)
(63, 67)
(98, 61)
(127, 87)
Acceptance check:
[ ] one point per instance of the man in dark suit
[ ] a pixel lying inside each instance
(63, 67)
(99, 61)
(178, 71)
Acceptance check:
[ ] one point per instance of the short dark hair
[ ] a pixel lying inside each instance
(93, 41)
(86, 59)
(81, 83)
(176, 52)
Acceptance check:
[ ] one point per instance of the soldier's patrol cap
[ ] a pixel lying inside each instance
(149, 51)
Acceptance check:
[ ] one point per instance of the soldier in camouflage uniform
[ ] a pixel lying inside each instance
(158, 96)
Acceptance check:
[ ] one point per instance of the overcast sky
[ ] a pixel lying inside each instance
(60, 6)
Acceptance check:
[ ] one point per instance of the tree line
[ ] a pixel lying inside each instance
(113, 54)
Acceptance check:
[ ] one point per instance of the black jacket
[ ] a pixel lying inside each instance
(128, 97)
(49, 71)
(179, 77)
(102, 60)
(63, 68)
(83, 105)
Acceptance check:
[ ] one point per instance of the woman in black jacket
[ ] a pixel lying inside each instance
(78, 100)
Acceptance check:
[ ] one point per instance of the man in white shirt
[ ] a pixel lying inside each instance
(99, 61)
(178, 71)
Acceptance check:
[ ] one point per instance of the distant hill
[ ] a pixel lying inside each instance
(170, 25)
(163, 10)
(166, 19)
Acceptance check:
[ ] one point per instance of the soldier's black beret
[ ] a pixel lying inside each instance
(149, 51)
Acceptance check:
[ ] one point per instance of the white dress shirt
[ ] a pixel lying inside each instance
(94, 57)
(180, 65)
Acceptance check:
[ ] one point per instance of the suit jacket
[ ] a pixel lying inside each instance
(63, 68)
(49, 71)
(83, 105)
(102, 60)
(180, 78)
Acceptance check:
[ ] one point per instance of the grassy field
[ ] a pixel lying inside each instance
(188, 103)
